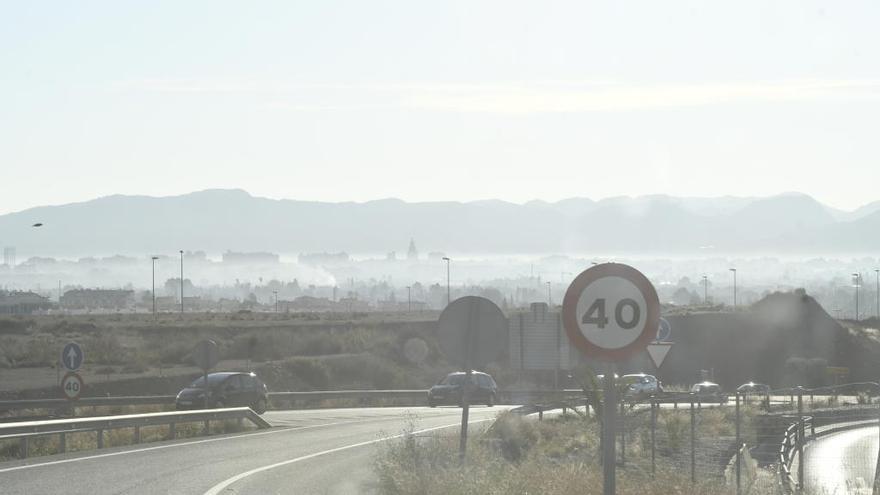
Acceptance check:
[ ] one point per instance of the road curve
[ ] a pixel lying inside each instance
(842, 463)
(315, 451)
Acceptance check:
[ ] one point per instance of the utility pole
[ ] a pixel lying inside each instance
(858, 277)
(734, 288)
(181, 281)
(877, 291)
(409, 299)
(275, 293)
(549, 297)
(154, 258)
(705, 290)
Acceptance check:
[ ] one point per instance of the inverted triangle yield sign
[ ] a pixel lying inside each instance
(658, 352)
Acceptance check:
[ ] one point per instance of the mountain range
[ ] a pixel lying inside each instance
(221, 219)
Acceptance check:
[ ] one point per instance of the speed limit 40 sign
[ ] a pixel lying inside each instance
(611, 311)
(71, 385)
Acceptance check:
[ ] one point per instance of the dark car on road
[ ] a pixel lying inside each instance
(449, 390)
(709, 392)
(225, 389)
(753, 388)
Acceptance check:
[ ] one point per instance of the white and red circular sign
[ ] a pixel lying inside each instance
(72, 385)
(611, 311)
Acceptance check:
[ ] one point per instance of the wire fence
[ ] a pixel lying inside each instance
(817, 441)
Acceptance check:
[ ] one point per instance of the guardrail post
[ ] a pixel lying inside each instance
(801, 436)
(100, 439)
(738, 449)
(171, 431)
(693, 441)
(62, 443)
(137, 434)
(540, 413)
(23, 447)
(207, 430)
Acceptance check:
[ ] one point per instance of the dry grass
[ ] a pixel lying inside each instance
(518, 456)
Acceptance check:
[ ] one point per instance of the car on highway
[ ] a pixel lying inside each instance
(640, 385)
(752, 388)
(709, 392)
(225, 389)
(448, 391)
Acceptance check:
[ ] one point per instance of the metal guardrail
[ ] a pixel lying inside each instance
(319, 395)
(12, 405)
(24, 431)
(410, 396)
(792, 441)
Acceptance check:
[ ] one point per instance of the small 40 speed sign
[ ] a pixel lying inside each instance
(611, 311)
(71, 385)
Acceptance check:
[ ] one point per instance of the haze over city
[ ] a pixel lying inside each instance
(405, 248)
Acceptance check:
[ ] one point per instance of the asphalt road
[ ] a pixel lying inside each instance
(326, 451)
(842, 463)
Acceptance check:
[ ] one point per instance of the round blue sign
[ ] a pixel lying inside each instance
(664, 330)
(72, 357)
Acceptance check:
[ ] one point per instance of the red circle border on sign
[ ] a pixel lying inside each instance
(569, 311)
(78, 378)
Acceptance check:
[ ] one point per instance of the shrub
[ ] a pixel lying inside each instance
(105, 349)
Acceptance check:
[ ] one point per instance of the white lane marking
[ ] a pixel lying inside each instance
(216, 489)
(182, 444)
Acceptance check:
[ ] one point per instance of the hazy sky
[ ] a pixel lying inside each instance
(429, 100)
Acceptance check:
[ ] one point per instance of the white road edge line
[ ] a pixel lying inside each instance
(216, 489)
(182, 444)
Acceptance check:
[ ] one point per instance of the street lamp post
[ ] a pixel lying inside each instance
(409, 298)
(705, 290)
(858, 277)
(181, 281)
(549, 297)
(154, 258)
(877, 291)
(734, 288)
(448, 291)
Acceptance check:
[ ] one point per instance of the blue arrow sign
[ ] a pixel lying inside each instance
(72, 356)
(664, 331)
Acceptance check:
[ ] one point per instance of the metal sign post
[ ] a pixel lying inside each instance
(609, 420)
(465, 412)
(610, 312)
(206, 356)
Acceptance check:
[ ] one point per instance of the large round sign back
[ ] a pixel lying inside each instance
(611, 311)
(472, 331)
